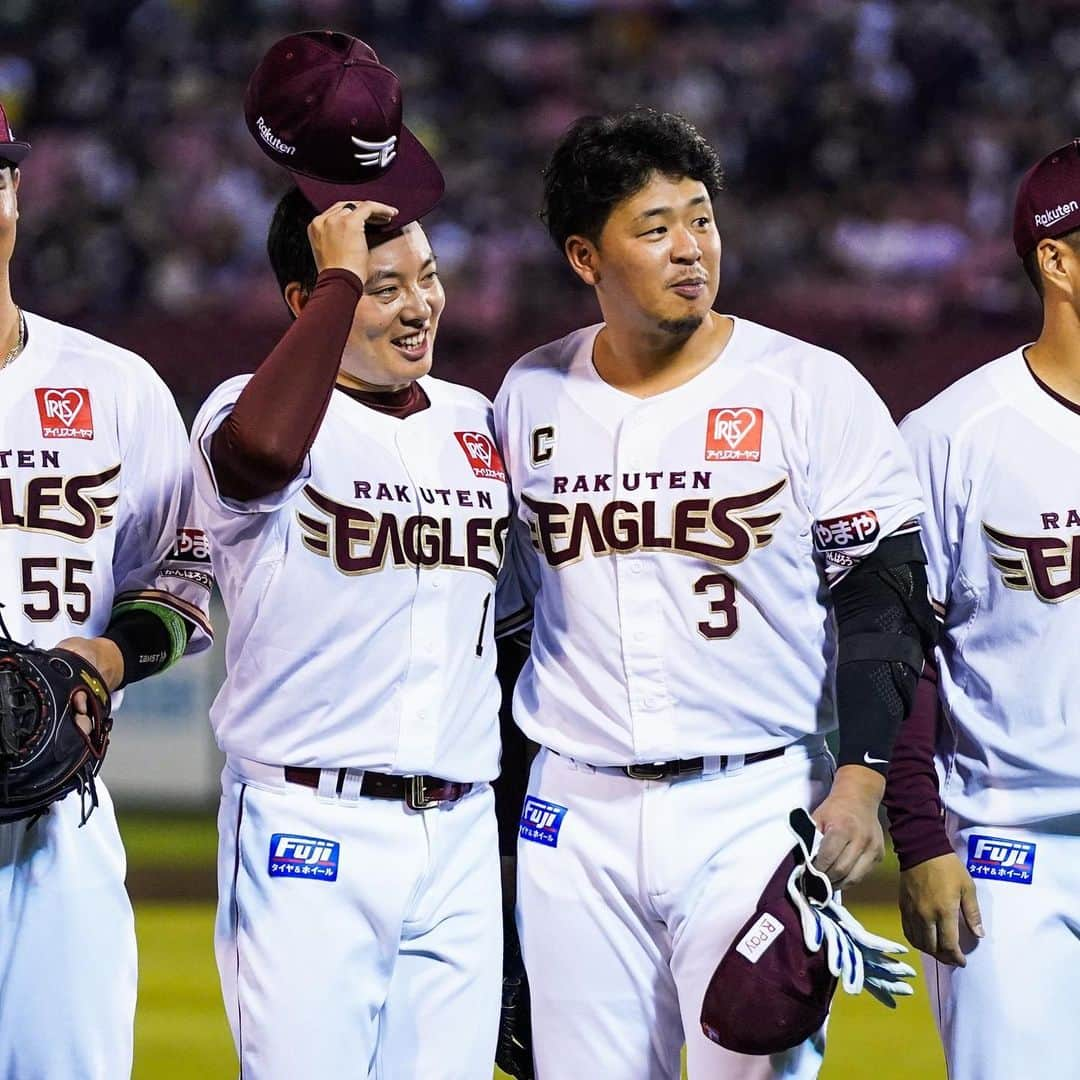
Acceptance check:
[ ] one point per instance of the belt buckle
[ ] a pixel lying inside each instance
(416, 797)
(656, 771)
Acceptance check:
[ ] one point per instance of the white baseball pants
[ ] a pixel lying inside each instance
(391, 971)
(624, 920)
(67, 947)
(1007, 1013)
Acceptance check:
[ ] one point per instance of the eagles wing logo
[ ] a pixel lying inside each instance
(1040, 564)
(375, 154)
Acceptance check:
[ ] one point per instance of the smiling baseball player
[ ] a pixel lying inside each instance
(990, 891)
(688, 488)
(359, 511)
(94, 489)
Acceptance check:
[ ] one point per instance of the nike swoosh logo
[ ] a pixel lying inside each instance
(874, 760)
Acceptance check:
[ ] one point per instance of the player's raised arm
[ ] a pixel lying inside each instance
(261, 445)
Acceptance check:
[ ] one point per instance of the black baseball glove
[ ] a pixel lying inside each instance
(513, 1052)
(44, 753)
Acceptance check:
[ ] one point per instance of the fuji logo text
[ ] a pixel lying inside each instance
(303, 857)
(300, 849)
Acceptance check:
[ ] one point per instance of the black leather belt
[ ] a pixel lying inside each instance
(666, 770)
(418, 792)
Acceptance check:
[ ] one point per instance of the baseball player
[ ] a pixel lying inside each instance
(94, 489)
(360, 509)
(715, 518)
(989, 890)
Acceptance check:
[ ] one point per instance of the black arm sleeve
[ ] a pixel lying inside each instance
(885, 627)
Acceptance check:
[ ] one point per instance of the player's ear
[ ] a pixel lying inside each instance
(1056, 259)
(296, 296)
(584, 258)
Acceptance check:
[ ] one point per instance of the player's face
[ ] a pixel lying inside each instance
(393, 331)
(9, 212)
(658, 260)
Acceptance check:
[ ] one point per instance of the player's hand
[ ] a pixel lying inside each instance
(852, 841)
(105, 655)
(338, 239)
(933, 897)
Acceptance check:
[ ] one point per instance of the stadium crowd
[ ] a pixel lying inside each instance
(871, 147)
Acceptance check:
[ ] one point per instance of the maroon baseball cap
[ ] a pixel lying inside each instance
(322, 105)
(1048, 199)
(769, 992)
(11, 149)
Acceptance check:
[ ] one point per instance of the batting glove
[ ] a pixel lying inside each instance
(858, 958)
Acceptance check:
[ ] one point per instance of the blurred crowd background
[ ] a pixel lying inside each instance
(871, 148)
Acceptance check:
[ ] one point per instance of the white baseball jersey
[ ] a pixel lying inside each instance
(679, 545)
(360, 596)
(95, 487)
(998, 457)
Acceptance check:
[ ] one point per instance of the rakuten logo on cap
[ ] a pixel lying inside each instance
(1052, 217)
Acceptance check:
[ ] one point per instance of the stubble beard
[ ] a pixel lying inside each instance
(681, 328)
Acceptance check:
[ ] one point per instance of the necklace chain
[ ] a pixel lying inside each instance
(18, 347)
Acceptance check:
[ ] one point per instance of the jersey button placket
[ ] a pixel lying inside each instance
(639, 597)
(419, 716)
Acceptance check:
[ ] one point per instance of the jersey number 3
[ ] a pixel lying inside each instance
(721, 592)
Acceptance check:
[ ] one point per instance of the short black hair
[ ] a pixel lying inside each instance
(1031, 259)
(602, 160)
(288, 245)
(287, 242)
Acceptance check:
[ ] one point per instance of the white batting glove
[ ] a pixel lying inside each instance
(883, 977)
(856, 957)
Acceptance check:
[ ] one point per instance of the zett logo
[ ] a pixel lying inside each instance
(65, 413)
(482, 453)
(733, 435)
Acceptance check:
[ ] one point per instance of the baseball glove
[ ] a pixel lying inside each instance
(44, 753)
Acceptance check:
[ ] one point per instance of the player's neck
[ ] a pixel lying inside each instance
(9, 318)
(1055, 356)
(644, 364)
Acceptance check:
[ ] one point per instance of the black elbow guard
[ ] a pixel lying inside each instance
(885, 625)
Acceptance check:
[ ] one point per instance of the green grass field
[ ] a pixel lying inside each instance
(180, 1030)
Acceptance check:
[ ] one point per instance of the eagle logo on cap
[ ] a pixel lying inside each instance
(377, 154)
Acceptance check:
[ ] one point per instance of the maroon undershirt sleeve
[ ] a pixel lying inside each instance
(261, 445)
(912, 799)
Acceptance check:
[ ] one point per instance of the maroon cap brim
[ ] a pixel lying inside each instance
(14, 151)
(413, 183)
